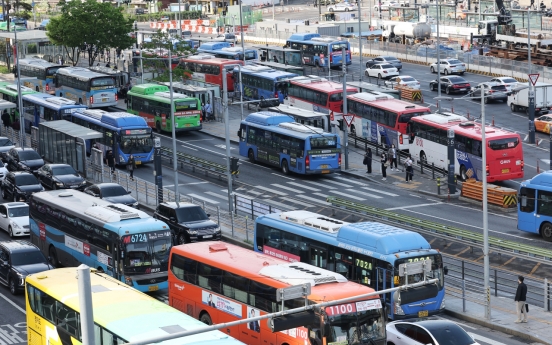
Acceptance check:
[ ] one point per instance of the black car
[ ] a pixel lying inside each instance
(112, 192)
(60, 176)
(451, 84)
(492, 92)
(24, 159)
(17, 260)
(19, 185)
(188, 222)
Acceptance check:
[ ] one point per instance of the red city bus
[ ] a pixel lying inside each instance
(317, 94)
(428, 143)
(209, 69)
(218, 282)
(381, 118)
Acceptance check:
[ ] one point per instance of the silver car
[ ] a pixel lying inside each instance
(385, 60)
(509, 82)
(449, 66)
(403, 80)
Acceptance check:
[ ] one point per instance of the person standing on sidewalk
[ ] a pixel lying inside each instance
(208, 112)
(110, 161)
(368, 160)
(409, 169)
(131, 164)
(392, 153)
(521, 295)
(384, 164)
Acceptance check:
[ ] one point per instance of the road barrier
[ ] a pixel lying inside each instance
(430, 227)
(410, 94)
(186, 160)
(501, 196)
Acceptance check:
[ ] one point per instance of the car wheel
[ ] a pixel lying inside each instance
(366, 73)
(448, 91)
(353, 131)
(346, 10)
(285, 167)
(512, 108)
(546, 231)
(4, 195)
(379, 76)
(432, 87)
(463, 174)
(10, 232)
(446, 71)
(432, 69)
(53, 256)
(461, 73)
(486, 100)
(367, 65)
(331, 9)
(181, 239)
(13, 288)
(206, 319)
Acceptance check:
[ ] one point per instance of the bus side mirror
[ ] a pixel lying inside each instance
(445, 270)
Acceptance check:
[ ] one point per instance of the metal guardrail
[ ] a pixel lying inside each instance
(466, 236)
(186, 160)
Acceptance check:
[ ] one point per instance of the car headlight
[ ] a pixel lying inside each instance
(217, 229)
(60, 184)
(15, 226)
(21, 279)
(192, 232)
(135, 204)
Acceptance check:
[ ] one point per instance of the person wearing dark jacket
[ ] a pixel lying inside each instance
(6, 120)
(521, 296)
(131, 164)
(368, 160)
(110, 160)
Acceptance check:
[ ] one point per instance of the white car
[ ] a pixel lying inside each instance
(427, 331)
(14, 218)
(383, 71)
(509, 82)
(403, 80)
(449, 66)
(3, 171)
(342, 6)
(385, 5)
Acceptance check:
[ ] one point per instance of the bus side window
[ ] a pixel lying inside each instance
(544, 202)
(527, 200)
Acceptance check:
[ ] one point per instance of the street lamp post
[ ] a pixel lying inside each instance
(19, 97)
(179, 21)
(241, 31)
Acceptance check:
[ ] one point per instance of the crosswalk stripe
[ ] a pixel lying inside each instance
(350, 180)
(305, 187)
(271, 190)
(288, 206)
(348, 195)
(303, 196)
(320, 184)
(286, 188)
(195, 196)
(223, 197)
(365, 194)
(337, 183)
(379, 191)
(484, 339)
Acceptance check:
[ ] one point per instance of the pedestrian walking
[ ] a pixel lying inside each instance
(208, 112)
(409, 169)
(392, 154)
(368, 160)
(6, 120)
(521, 295)
(131, 164)
(202, 112)
(110, 160)
(384, 164)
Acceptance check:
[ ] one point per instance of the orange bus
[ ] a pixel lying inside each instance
(218, 282)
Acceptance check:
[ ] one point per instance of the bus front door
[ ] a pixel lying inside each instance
(318, 257)
(383, 281)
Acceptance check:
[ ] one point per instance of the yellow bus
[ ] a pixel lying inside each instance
(122, 314)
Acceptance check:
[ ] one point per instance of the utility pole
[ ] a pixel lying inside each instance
(438, 58)
(345, 126)
(227, 136)
(486, 273)
(173, 124)
(531, 134)
(179, 21)
(19, 96)
(241, 33)
(360, 39)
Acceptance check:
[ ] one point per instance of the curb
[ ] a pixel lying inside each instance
(494, 326)
(440, 196)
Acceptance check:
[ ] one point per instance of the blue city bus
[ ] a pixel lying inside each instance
(73, 228)
(535, 205)
(367, 253)
(275, 139)
(93, 89)
(39, 107)
(225, 50)
(43, 73)
(262, 83)
(312, 47)
(123, 133)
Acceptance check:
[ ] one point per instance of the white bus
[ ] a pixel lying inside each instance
(95, 90)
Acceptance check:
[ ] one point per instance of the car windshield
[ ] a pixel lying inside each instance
(444, 333)
(435, 273)
(25, 180)
(5, 142)
(190, 214)
(454, 62)
(63, 170)
(28, 155)
(147, 249)
(27, 258)
(19, 211)
(509, 80)
(113, 191)
(136, 144)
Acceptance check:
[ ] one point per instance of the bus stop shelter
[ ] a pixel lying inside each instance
(65, 142)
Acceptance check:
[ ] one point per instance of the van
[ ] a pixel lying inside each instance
(186, 33)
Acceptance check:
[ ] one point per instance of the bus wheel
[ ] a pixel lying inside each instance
(251, 156)
(285, 167)
(53, 256)
(80, 100)
(206, 319)
(37, 89)
(463, 174)
(546, 231)
(158, 127)
(423, 158)
(100, 270)
(181, 239)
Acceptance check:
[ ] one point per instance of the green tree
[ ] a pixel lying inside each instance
(90, 27)
(156, 52)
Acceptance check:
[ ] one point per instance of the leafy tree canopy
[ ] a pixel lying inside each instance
(91, 27)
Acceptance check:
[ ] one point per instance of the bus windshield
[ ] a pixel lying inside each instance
(435, 273)
(355, 328)
(323, 142)
(147, 249)
(105, 81)
(136, 143)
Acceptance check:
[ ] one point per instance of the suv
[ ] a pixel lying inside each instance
(188, 222)
(17, 260)
(227, 37)
(20, 159)
(19, 185)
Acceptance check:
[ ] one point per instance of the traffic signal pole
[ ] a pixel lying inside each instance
(345, 128)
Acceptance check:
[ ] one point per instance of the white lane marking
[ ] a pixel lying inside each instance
(223, 146)
(350, 181)
(379, 191)
(188, 148)
(287, 206)
(203, 148)
(411, 206)
(203, 198)
(191, 183)
(312, 189)
(271, 190)
(286, 188)
(303, 196)
(338, 183)
(484, 339)
(13, 303)
(320, 184)
(280, 175)
(223, 197)
(348, 195)
(364, 193)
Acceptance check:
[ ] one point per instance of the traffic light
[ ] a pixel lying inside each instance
(223, 13)
(234, 166)
(340, 124)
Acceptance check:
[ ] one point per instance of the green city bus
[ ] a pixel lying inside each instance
(152, 102)
(8, 92)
